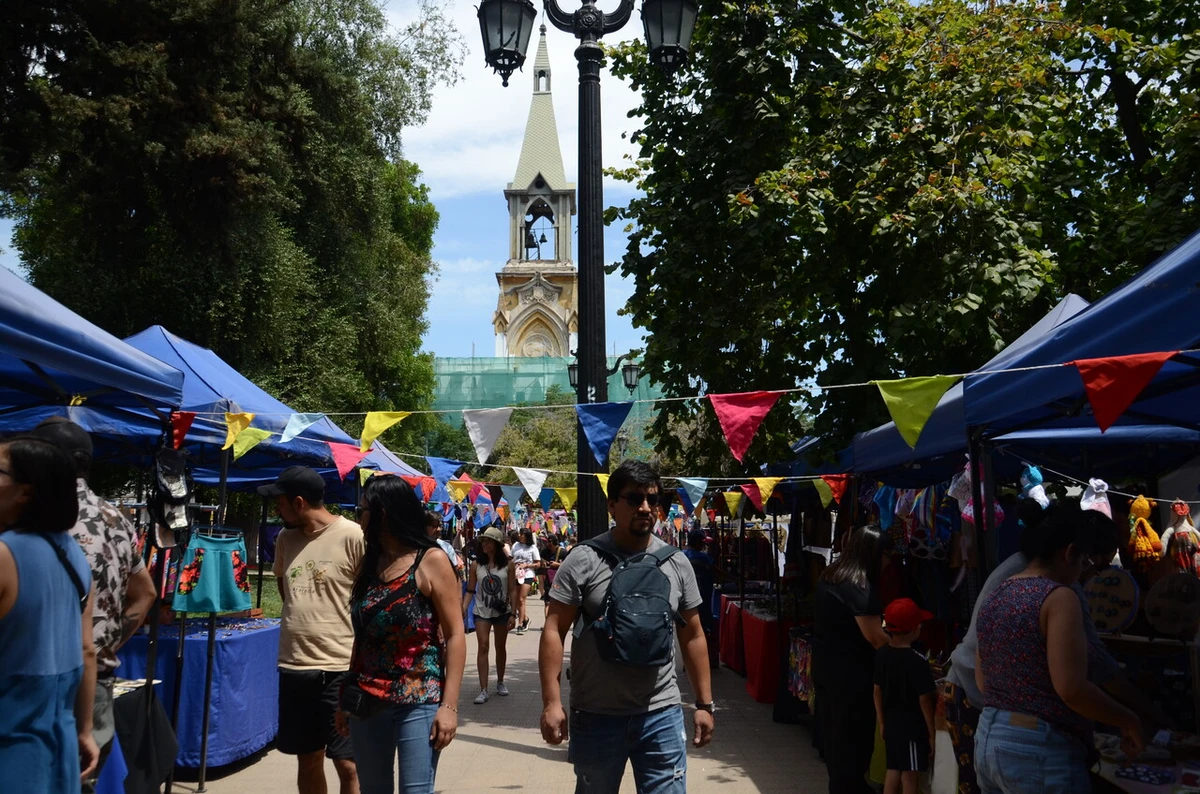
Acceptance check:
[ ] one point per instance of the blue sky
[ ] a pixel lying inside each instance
(468, 151)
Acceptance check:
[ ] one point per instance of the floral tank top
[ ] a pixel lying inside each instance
(397, 655)
(1012, 653)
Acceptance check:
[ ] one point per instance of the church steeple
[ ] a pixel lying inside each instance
(539, 151)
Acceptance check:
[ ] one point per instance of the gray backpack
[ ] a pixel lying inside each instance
(636, 622)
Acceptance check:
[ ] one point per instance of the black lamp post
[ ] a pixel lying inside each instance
(506, 26)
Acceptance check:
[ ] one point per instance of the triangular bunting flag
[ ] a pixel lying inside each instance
(600, 423)
(910, 402)
(824, 489)
(459, 490)
(443, 469)
(247, 440)
(546, 498)
(484, 426)
(345, 457)
(567, 496)
(695, 488)
(428, 488)
(1112, 384)
(235, 424)
(751, 490)
(733, 500)
(496, 492)
(532, 479)
(297, 424)
(686, 500)
(512, 495)
(603, 478)
(837, 486)
(181, 423)
(740, 415)
(766, 486)
(378, 421)
(366, 474)
(415, 482)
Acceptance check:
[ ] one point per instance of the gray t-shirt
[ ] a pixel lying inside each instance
(598, 686)
(1101, 664)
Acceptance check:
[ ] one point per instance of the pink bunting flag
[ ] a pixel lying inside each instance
(740, 416)
(1112, 384)
(345, 457)
(755, 494)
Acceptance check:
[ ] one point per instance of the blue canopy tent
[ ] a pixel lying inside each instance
(883, 454)
(50, 358)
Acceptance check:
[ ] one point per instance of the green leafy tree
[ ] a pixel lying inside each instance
(231, 169)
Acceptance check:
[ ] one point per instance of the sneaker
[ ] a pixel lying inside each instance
(482, 697)
(519, 630)
(501, 690)
(525, 626)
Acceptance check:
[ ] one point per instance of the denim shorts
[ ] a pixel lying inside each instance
(655, 744)
(1017, 753)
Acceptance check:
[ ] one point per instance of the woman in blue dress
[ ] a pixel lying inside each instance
(47, 660)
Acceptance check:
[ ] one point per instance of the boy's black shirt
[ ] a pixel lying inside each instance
(903, 675)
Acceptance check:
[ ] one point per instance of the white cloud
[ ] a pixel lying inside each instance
(472, 138)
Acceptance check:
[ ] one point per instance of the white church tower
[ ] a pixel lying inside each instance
(537, 311)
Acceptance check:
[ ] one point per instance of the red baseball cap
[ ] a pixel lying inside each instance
(903, 615)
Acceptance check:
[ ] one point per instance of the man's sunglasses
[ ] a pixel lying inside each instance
(636, 499)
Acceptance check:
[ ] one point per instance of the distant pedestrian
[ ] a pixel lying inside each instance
(492, 580)
(633, 595)
(527, 560)
(705, 568)
(317, 557)
(551, 561)
(904, 698)
(433, 527)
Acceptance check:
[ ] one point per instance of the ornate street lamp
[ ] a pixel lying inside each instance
(573, 374)
(506, 26)
(630, 374)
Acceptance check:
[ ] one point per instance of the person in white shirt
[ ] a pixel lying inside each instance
(527, 561)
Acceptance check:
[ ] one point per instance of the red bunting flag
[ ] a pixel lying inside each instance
(755, 494)
(345, 457)
(740, 415)
(181, 423)
(1112, 384)
(837, 485)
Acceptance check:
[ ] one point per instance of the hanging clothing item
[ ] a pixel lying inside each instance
(213, 577)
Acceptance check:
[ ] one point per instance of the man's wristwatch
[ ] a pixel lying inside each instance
(704, 707)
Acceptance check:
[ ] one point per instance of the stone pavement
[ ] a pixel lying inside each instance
(499, 745)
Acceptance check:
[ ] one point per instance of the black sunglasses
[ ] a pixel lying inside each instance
(636, 499)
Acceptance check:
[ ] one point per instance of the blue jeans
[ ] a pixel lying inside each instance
(395, 730)
(655, 744)
(1017, 753)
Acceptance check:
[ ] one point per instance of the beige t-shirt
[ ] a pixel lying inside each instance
(317, 574)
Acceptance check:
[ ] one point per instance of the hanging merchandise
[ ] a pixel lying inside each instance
(213, 575)
(885, 501)
(1173, 605)
(1181, 518)
(1144, 544)
(1095, 497)
(1112, 597)
(968, 513)
(172, 490)
(925, 542)
(1032, 488)
(960, 487)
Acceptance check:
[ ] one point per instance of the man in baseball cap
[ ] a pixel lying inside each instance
(317, 556)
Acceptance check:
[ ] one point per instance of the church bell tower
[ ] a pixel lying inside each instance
(537, 311)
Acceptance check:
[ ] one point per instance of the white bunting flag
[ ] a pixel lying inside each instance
(484, 427)
(532, 479)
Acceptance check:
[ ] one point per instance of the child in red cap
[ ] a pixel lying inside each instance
(904, 693)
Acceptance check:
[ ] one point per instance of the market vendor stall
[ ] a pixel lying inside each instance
(762, 634)
(244, 708)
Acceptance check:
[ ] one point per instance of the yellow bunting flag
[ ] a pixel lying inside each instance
(733, 500)
(234, 425)
(911, 402)
(376, 422)
(824, 490)
(766, 486)
(568, 496)
(603, 478)
(459, 489)
(364, 475)
(247, 440)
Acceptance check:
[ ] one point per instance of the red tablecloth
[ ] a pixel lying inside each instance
(733, 653)
(764, 665)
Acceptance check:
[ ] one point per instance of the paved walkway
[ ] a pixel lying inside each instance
(499, 746)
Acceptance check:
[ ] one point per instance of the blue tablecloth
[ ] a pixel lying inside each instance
(112, 776)
(245, 693)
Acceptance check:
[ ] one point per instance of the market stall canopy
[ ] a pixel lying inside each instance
(1153, 312)
(801, 466)
(50, 356)
(943, 440)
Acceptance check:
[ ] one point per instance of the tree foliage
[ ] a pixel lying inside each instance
(840, 191)
(231, 169)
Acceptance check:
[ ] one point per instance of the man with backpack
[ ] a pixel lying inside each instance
(629, 594)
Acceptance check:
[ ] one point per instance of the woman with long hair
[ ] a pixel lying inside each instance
(527, 560)
(846, 631)
(1035, 734)
(47, 659)
(492, 580)
(402, 693)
